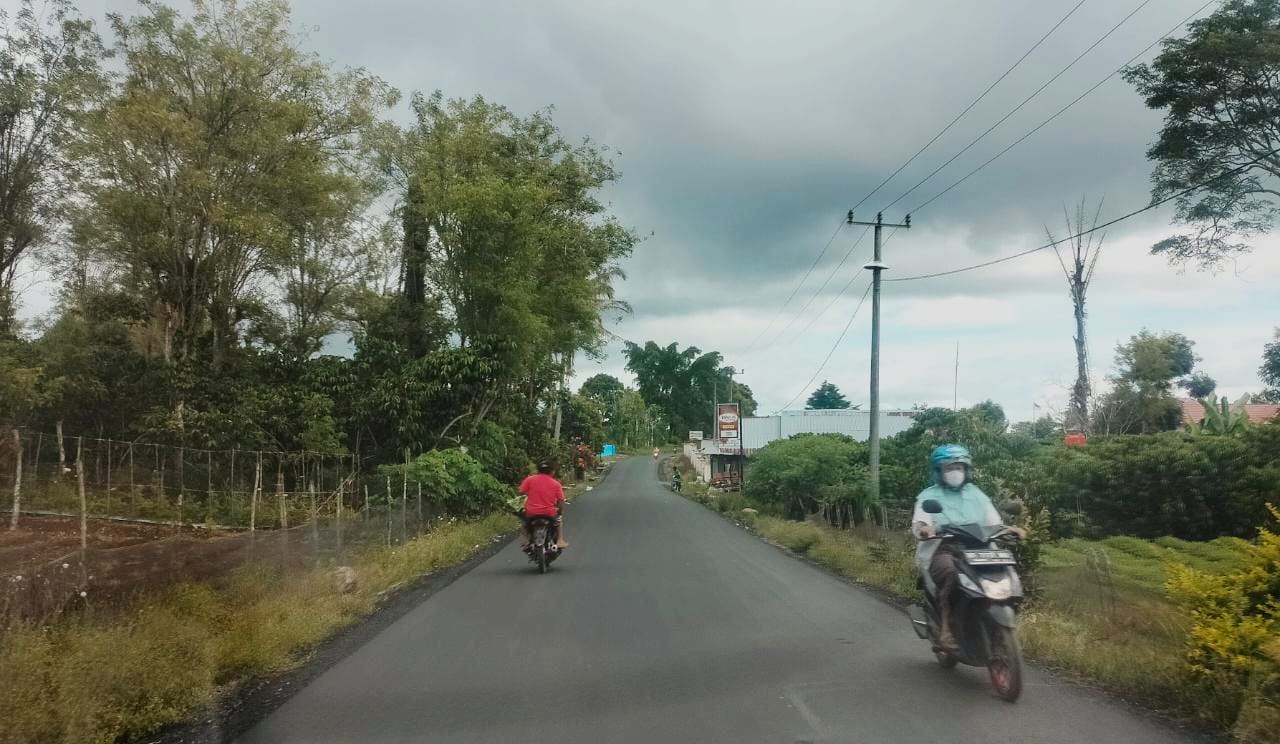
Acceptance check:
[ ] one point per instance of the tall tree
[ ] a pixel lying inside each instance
(827, 396)
(49, 75)
(1077, 266)
(222, 141)
(1141, 398)
(1199, 385)
(1270, 369)
(1218, 87)
(685, 384)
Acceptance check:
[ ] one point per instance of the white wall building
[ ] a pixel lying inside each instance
(757, 431)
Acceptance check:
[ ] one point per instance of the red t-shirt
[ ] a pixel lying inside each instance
(544, 495)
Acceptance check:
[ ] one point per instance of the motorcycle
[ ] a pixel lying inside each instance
(983, 610)
(542, 548)
(675, 485)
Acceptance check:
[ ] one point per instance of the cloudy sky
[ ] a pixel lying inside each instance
(745, 130)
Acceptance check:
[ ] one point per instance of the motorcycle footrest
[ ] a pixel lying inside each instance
(919, 622)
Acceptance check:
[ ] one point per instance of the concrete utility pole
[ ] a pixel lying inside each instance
(876, 266)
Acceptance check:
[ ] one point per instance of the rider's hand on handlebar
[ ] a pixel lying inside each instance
(1021, 532)
(927, 531)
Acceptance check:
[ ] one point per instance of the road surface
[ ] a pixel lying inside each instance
(666, 623)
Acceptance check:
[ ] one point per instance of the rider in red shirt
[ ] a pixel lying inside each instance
(543, 497)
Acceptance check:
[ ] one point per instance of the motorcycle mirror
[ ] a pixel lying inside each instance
(931, 506)
(1013, 508)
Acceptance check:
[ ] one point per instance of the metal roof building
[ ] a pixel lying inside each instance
(758, 431)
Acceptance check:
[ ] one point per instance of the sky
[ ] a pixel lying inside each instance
(745, 130)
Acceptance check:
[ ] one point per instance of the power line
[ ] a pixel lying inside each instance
(975, 102)
(833, 349)
(1195, 187)
(805, 278)
(818, 293)
(841, 293)
(891, 176)
(1064, 109)
(1018, 108)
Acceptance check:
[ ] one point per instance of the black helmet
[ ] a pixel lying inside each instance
(544, 466)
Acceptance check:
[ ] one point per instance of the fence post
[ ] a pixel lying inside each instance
(284, 512)
(388, 511)
(315, 516)
(253, 500)
(108, 477)
(419, 505)
(404, 500)
(182, 482)
(133, 499)
(84, 502)
(208, 503)
(35, 461)
(17, 479)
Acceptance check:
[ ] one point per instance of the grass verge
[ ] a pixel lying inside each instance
(117, 678)
(1103, 616)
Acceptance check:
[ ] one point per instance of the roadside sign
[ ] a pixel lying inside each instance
(727, 421)
(695, 436)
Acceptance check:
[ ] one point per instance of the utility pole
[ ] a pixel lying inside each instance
(876, 266)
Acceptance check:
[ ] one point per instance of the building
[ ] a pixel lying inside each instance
(1193, 412)
(712, 459)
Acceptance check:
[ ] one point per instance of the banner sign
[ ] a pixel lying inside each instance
(695, 436)
(727, 422)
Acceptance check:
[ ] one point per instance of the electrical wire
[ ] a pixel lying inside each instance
(782, 334)
(1018, 108)
(1064, 109)
(803, 279)
(975, 102)
(1194, 187)
(833, 349)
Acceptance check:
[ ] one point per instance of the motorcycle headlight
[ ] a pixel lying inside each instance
(997, 588)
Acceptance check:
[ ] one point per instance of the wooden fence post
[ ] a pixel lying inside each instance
(315, 516)
(84, 502)
(17, 479)
(388, 511)
(253, 500)
(182, 482)
(108, 477)
(208, 502)
(284, 511)
(133, 499)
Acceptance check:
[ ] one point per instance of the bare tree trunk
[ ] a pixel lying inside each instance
(17, 479)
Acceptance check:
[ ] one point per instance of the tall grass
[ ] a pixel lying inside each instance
(107, 679)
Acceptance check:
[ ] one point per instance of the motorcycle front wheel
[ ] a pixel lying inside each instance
(945, 660)
(542, 559)
(1005, 664)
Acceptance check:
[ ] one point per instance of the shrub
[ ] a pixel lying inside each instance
(455, 481)
(1235, 620)
(788, 474)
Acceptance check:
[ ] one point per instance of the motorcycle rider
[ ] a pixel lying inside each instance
(675, 480)
(544, 497)
(962, 503)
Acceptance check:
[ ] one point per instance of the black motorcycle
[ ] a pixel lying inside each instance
(675, 485)
(983, 610)
(542, 548)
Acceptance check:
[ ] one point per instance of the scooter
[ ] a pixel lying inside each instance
(675, 485)
(542, 549)
(983, 610)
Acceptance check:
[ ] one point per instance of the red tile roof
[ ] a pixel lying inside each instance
(1192, 411)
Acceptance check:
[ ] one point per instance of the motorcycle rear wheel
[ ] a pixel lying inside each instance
(1005, 664)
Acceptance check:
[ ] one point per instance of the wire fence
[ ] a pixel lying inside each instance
(93, 522)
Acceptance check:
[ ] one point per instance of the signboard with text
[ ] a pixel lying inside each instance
(728, 424)
(695, 436)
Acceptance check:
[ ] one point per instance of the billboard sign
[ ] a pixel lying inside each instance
(695, 436)
(728, 424)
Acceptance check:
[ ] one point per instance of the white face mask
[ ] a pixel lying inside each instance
(953, 478)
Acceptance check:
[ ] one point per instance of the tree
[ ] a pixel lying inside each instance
(826, 397)
(1217, 87)
(685, 384)
(224, 141)
(1141, 398)
(49, 75)
(604, 389)
(1078, 268)
(1270, 369)
(809, 472)
(1043, 429)
(1199, 385)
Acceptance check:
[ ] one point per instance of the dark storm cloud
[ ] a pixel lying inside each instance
(744, 130)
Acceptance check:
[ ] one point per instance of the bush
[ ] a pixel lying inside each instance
(1235, 621)
(455, 481)
(788, 474)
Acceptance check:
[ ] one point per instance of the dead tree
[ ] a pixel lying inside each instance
(1078, 262)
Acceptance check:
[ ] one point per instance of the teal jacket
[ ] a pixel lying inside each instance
(964, 505)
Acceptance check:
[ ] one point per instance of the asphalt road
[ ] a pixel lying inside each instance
(666, 623)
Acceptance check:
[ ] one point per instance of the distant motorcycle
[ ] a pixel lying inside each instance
(675, 485)
(542, 548)
(983, 612)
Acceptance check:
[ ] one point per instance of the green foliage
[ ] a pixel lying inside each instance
(1216, 86)
(1141, 399)
(584, 421)
(1199, 385)
(827, 396)
(1235, 623)
(1270, 369)
(454, 480)
(1219, 422)
(684, 384)
(791, 474)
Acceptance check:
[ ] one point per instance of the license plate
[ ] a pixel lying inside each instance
(989, 557)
